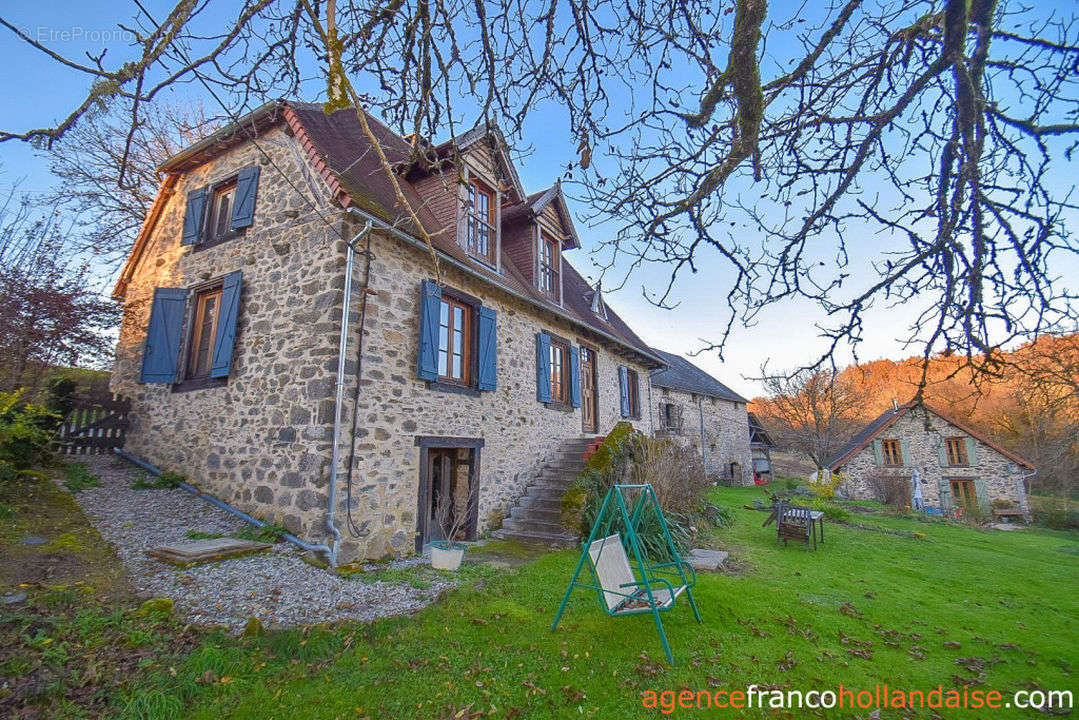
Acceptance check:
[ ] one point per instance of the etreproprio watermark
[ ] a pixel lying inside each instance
(46, 34)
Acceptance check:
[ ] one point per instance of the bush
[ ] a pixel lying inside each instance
(889, 488)
(831, 512)
(826, 486)
(78, 477)
(675, 471)
(25, 431)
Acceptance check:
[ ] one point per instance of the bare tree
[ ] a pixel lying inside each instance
(812, 412)
(938, 127)
(108, 175)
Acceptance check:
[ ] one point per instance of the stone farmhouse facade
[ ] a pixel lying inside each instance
(957, 466)
(301, 344)
(690, 404)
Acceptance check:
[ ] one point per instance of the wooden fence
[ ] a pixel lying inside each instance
(95, 425)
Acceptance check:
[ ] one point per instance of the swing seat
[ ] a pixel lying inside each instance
(621, 590)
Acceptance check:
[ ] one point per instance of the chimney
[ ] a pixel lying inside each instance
(895, 405)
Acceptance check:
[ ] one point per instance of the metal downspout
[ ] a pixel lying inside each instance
(700, 410)
(342, 347)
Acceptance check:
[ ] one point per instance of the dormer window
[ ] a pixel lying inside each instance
(549, 266)
(480, 239)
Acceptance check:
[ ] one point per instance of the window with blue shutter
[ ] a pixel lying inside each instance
(575, 376)
(194, 215)
(487, 355)
(972, 451)
(623, 389)
(225, 337)
(161, 353)
(543, 367)
(430, 306)
(243, 208)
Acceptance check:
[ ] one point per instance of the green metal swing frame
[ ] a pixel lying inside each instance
(615, 508)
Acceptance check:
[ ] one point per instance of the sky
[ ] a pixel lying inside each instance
(784, 336)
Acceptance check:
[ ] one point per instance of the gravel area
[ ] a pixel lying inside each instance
(277, 587)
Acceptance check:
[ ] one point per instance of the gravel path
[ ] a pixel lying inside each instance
(277, 587)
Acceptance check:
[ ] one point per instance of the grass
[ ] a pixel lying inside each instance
(898, 601)
(78, 477)
(955, 606)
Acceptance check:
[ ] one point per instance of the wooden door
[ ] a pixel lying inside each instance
(589, 422)
(963, 493)
(440, 473)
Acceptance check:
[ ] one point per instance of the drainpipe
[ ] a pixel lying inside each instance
(700, 410)
(342, 347)
(156, 471)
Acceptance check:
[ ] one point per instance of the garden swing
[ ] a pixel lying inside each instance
(618, 589)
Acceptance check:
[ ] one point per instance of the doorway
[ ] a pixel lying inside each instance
(448, 493)
(589, 421)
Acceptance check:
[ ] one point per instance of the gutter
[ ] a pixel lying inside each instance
(421, 245)
(700, 409)
(156, 471)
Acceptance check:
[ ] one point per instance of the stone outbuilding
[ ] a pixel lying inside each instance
(303, 345)
(689, 403)
(957, 466)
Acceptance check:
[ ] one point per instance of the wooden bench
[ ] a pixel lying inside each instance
(1009, 514)
(794, 522)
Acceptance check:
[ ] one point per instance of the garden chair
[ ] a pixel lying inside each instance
(794, 522)
(620, 590)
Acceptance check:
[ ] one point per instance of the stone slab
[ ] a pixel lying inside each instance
(705, 559)
(203, 551)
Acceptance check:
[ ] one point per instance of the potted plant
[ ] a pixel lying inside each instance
(447, 554)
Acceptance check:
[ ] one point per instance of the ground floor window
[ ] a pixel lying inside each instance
(963, 492)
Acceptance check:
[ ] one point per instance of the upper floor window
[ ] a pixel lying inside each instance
(225, 209)
(480, 239)
(203, 332)
(957, 451)
(891, 452)
(559, 364)
(454, 341)
(224, 198)
(548, 276)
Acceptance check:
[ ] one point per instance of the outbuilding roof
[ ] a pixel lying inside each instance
(681, 374)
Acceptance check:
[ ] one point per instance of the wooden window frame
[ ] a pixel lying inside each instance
(670, 420)
(467, 350)
(891, 450)
(474, 223)
(453, 385)
(562, 396)
(633, 390)
(208, 238)
(189, 381)
(959, 457)
(549, 265)
(969, 495)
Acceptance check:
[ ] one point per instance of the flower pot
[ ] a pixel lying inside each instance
(448, 557)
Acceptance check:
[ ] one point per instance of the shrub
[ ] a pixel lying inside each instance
(825, 487)
(78, 477)
(832, 512)
(890, 488)
(675, 471)
(25, 431)
(60, 396)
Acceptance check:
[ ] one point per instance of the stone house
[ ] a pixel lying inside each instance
(688, 403)
(299, 343)
(956, 464)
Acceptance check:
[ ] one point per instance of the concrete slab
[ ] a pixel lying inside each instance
(705, 559)
(197, 552)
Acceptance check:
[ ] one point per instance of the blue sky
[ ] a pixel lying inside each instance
(785, 334)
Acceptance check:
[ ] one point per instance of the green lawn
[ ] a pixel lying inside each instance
(869, 607)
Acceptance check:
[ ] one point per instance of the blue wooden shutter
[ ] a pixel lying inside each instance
(575, 376)
(623, 388)
(430, 306)
(878, 453)
(193, 216)
(488, 349)
(904, 453)
(942, 452)
(944, 488)
(162, 350)
(243, 208)
(543, 367)
(982, 493)
(226, 325)
(972, 451)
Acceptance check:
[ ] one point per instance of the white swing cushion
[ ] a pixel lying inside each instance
(615, 575)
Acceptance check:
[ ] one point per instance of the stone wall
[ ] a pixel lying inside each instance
(726, 430)
(396, 407)
(923, 432)
(262, 441)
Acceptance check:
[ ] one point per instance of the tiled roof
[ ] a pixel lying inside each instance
(875, 428)
(339, 141)
(681, 374)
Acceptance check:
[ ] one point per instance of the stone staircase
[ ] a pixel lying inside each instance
(537, 517)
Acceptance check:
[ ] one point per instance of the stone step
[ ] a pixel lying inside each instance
(546, 514)
(533, 538)
(537, 526)
(540, 502)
